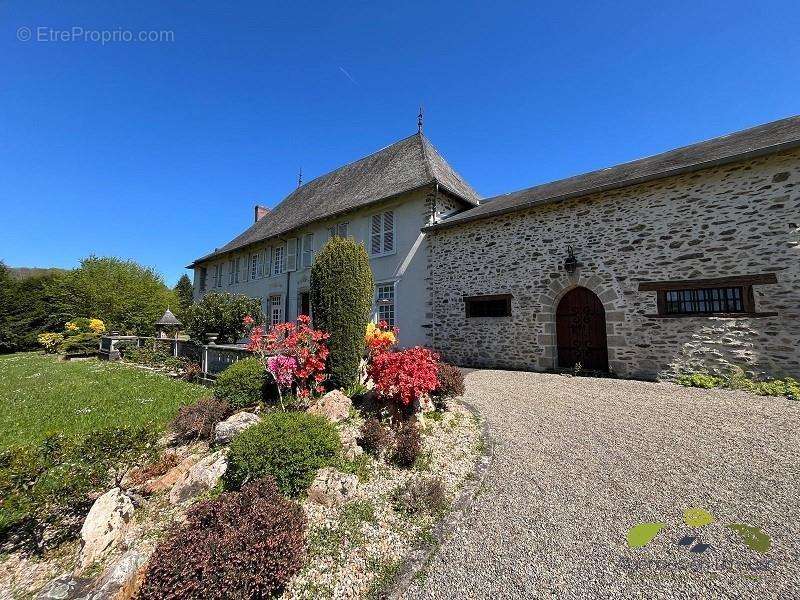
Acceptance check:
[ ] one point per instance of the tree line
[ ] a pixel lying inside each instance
(126, 296)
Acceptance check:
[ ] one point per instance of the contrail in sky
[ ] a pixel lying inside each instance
(346, 74)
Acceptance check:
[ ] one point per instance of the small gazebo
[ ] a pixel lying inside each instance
(168, 326)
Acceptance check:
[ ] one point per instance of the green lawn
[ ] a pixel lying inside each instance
(40, 395)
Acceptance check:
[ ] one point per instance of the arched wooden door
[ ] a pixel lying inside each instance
(581, 331)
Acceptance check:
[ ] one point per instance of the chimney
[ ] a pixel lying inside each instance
(260, 212)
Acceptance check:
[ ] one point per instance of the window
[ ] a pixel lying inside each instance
(203, 275)
(384, 300)
(488, 306)
(278, 262)
(218, 276)
(304, 304)
(260, 264)
(704, 301)
(719, 296)
(254, 265)
(338, 230)
(381, 239)
(238, 268)
(276, 309)
(308, 250)
(231, 268)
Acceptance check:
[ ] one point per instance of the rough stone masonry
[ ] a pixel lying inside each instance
(737, 219)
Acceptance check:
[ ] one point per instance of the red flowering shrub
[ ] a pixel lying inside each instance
(298, 341)
(406, 375)
(245, 544)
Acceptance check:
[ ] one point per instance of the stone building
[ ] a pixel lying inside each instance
(687, 260)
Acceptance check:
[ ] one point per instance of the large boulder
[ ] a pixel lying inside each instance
(105, 526)
(121, 579)
(334, 405)
(168, 479)
(200, 478)
(331, 487)
(227, 429)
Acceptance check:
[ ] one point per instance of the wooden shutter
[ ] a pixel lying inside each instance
(388, 231)
(308, 250)
(291, 254)
(375, 235)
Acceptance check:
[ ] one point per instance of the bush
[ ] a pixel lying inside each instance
(51, 341)
(242, 384)
(157, 355)
(737, 380)
(699, 380)
(290, 447)
(407, 445)
(341, 299)
(47, 489)
(80, 344)
(222, 313)
(245, 544)
(197, 421)
(404, 376)
(420, 496)
(374, 437)
(451, 381)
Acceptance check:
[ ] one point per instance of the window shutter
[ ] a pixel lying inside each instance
(331, 231)
(388, 231)
(342, 232)
(291, 256)
(375, 235)
(308, 250)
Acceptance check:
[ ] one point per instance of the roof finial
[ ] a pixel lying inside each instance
(420, 117)
(300, 177)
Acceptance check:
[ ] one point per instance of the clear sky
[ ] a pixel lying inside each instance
(157, 151)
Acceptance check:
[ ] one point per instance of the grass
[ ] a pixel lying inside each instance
(40, 395)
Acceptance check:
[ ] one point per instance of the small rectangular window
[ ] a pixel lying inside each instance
(203, 275)
(384, 301)
(488, 306)
(237, 269)
(276, 309)
(278, 260)
(231, 270)
(338, 230)
(218, 276)
(253, 265)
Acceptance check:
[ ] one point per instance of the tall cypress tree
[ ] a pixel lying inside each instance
(341, 302)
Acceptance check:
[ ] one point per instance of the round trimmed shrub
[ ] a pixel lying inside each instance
(290, 447)
(341, 300)
(242, 384)
(451, 381)
(245, 544)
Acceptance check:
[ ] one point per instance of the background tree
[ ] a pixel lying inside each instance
(125, 295)
(184, 290)
(341, 302)
(222, 313)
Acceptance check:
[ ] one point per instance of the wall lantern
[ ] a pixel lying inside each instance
(571, 263)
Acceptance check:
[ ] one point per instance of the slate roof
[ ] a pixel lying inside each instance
(749, 143)
(406, 165)
(168, 319)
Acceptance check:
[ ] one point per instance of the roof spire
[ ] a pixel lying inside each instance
(300, 177)
(420, 118)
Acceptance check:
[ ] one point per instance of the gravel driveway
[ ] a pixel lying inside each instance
(579, 460)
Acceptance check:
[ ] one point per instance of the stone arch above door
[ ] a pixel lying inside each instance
(612, 305)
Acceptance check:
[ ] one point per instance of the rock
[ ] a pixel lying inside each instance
(334, 405)
(424, 404)
(121, 579)
(104, 526)
(331, 487)
(225, 430)
(350, 446)
(66, 587)
(168, 479)
(200, 478)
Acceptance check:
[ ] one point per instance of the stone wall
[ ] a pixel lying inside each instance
(739, 219)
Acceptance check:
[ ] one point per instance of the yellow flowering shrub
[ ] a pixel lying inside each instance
(97, 325)
(50, 341)
(71, 326)
(379, 337)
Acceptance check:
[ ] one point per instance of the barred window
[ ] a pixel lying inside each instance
(384, 300)
(704, 301)
(493, 306)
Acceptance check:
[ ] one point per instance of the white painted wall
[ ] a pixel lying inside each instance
(406, 267)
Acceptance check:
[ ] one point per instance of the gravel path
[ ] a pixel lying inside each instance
(579, 460)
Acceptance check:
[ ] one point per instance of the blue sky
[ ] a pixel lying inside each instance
(158, 151)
